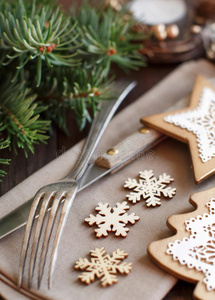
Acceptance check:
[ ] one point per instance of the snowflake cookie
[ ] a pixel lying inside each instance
(112, 219)
(103, 266)
(149, 188)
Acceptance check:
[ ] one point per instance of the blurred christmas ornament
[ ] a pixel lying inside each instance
(172, 31)
(174, 36)
(115, 4)
(159, 32)
(163, 32)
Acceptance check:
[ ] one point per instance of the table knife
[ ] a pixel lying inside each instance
(111, 161)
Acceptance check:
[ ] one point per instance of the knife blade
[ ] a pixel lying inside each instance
(139, 142)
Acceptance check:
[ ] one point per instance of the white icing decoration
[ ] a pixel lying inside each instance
(198, 250)
(200, 121)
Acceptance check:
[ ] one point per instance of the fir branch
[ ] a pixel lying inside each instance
(19, 114)
(38, 32)
(106, 37)
(79, 90)
(101, 37)
(58, 62)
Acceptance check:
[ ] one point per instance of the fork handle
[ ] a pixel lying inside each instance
(100, 122)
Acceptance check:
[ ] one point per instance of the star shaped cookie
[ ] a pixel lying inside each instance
(194, 125)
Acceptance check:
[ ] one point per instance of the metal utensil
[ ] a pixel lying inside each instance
(62, 191)
(141, 143)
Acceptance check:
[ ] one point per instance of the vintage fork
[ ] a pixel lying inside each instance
(50, 197)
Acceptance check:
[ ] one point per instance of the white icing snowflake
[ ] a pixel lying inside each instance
(201, 121)
(149, 188)
(112, 219)
(198, 250)
(103, 266)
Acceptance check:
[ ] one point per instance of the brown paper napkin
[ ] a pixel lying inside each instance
(146, 281)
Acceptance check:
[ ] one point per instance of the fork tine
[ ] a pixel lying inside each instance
(63, 217)
(47, 236)
(37, 235)
(28, 230)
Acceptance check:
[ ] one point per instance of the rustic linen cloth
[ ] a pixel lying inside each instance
(146, 281)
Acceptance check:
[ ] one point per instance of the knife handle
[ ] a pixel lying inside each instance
(135, 145)
(129, 149)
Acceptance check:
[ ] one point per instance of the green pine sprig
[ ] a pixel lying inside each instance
(52, 62)
(106, 37)
(38, 33)
(20, 116)
(79, 90)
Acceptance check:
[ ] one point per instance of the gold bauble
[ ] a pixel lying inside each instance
(160, 32)
(172, 31)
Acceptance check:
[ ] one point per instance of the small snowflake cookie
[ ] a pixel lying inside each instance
(149, 188)
(112, 219)
(103, 266)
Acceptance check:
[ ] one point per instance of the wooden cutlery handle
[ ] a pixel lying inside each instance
(135, 145)
(129, 149)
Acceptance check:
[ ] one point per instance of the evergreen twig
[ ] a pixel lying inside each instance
(35, 32)
(20, 117)
(106, 37)
(52, 61)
